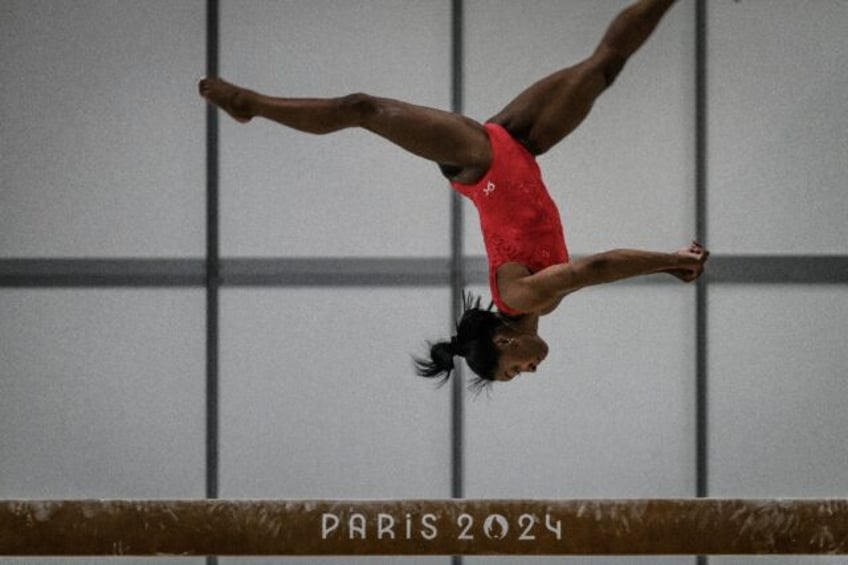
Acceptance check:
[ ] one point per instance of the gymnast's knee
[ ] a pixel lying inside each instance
(359, 107)
(612, 65)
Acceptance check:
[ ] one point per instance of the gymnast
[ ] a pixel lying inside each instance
(494, 165)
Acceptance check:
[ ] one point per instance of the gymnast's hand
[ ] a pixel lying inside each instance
(690, 261)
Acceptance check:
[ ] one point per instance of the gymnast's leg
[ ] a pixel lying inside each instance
(541, 116)
(449, 139)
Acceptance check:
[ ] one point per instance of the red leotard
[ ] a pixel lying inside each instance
(520, 221)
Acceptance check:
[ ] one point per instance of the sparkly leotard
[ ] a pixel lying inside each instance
(519, 220)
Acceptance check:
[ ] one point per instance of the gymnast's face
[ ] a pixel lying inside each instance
(520, 353)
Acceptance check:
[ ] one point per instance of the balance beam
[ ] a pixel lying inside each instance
(423, 527)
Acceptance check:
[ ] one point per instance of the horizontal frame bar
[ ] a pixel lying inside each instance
(336, 272)
(102, 272)
(356, 271)
(423, 527)
(787, 269)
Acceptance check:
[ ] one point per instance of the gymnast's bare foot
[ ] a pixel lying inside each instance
(232, 99)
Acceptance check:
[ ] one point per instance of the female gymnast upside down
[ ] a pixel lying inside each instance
(494, 165)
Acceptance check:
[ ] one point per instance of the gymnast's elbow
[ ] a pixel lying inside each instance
(586, 271)
(549, 286)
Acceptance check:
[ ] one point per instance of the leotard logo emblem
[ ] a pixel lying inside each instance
(490, 188)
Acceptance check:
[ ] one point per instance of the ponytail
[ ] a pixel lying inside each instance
(440, 362)
(474, 340)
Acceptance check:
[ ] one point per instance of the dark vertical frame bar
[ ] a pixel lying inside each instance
(701, 234)
(213, 281)
(457, 268)
(701, 375)
(213, 264)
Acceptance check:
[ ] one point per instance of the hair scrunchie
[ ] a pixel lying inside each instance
(454, 346)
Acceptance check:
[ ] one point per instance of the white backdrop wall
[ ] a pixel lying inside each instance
(102, 152)
(777, 139)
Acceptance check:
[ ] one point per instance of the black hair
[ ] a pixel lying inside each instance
(474, 340)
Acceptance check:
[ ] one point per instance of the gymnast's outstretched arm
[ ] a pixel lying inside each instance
(538, 292)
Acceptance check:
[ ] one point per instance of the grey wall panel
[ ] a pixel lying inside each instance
(777, 390)
(286, 193)
(101, 393)
(337, 560)
(624, 178)
(102, 146)
(773, 560)
(777, 127)
(102, 561)
(318, 396)
(658, 560)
